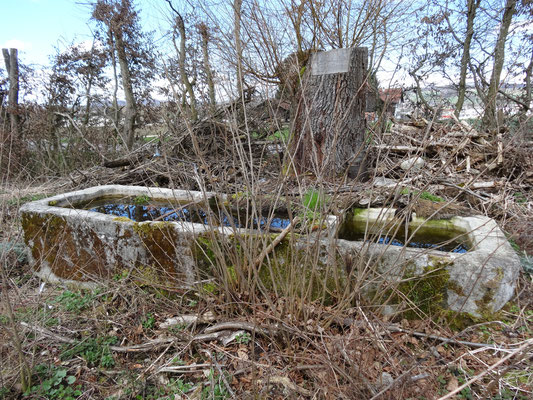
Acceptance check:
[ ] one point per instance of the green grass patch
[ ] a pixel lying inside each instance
(148, 321)
(243, 338)
(150, 139)
(218, 390)
(314, 203)
(520, 197)
(75, 301)
(431, 197)
(423, 195)
(282, 135)
(54, 383)
(175, 389)
(95, 351)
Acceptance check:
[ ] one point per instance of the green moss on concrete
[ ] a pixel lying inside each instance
(204, 254)
(454, 287)
(122, 219)
(299, 272)
(484, 305)
(285, 270)
(428, 292)
(53, 241)
(357, 211)
(420, 229)
(147, 229)
(160, 240)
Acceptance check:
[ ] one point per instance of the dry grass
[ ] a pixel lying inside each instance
(109, 342)
(80, 340)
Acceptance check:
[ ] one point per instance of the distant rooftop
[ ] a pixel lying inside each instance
(392, 95)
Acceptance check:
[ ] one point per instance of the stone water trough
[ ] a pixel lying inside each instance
(90, 235)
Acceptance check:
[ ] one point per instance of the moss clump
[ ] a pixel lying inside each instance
(210, 288)
(161, 241)
(427, 292)
(52, 203)
(204, 253)
(122, 219)
(71, 253)
(483, 304)
(454, 287)
(457, 321)
(141, 200)
(147, 229)
(429, 196)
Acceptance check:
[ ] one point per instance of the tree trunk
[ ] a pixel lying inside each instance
(489, 117)
(131, 110)
(207, 67)
(12, 68)
(471, 15)
(237, 4)
(116, 111)
(86, 118)
(527, 87)
(180, 26)
(329, 126)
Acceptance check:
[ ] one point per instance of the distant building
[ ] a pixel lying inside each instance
(390, 98)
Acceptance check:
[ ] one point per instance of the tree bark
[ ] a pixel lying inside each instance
(489, 117)
(527, 87)
(116, 112)
(237, 4)
(473, 5)
(329, 126)
(207, 67)
(180, 26)
(130, 112)
(12, 68)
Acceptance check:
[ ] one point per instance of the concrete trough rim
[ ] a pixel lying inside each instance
(474, 226)
(491, 247)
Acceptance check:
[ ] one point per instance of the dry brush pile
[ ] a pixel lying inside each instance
(133, 338)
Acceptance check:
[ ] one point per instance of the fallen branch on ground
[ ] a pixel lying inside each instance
(493, 366)
(246, 326)
(184, 369)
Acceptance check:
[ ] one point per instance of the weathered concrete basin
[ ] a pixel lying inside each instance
(78, 246)
(81, 246)
(479, 281)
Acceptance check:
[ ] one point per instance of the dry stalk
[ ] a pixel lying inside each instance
(485, 372)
